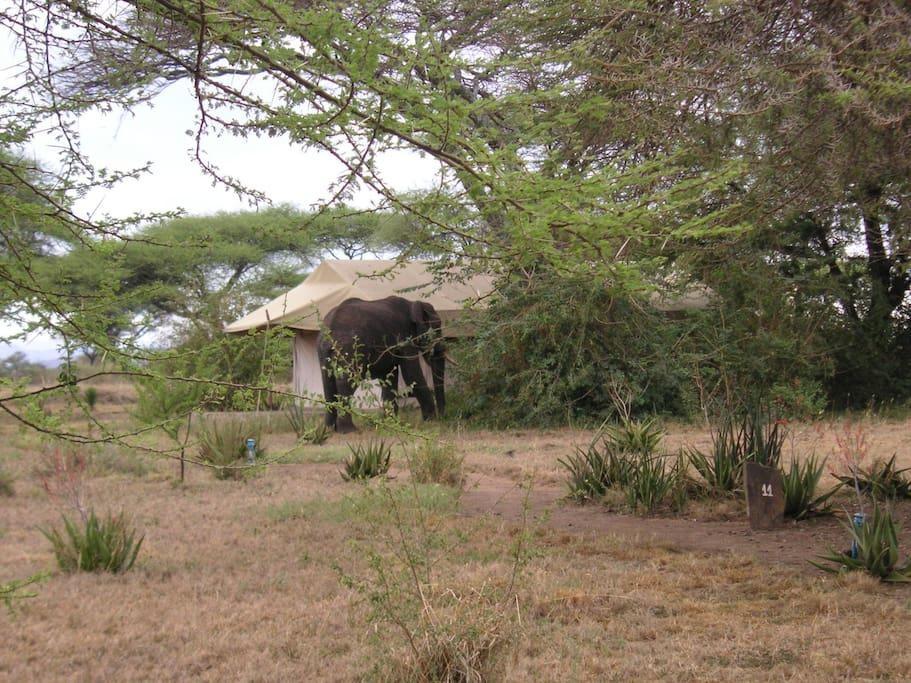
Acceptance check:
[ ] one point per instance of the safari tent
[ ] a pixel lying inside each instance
(303, 307)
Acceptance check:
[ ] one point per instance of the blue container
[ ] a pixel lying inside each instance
(251, 451)
(858, 521)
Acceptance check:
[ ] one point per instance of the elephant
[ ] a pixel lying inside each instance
(379, 339)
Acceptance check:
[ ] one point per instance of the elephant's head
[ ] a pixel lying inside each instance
(428, 333)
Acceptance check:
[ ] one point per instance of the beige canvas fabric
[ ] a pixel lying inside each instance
(304, 306)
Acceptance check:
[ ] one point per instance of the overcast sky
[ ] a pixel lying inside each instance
(157, 134)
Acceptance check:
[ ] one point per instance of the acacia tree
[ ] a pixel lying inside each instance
(602, 139)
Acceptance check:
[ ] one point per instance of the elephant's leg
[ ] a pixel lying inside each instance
(414, 376)
(330, 395)
(346, 389)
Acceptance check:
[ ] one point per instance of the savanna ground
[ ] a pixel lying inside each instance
(258, 580)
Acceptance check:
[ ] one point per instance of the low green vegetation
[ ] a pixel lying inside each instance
(223, 446)
(367, 460)
(307, 427)
(627, 459)
(800, 483)
(876, 544)
(95, 544)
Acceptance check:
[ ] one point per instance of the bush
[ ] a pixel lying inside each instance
(367, 461)
(91, 397)
(548, 351)
(223, 445)
(107, 544)
(635, 436)
(436, 462)
(877, 550)
(800, 482)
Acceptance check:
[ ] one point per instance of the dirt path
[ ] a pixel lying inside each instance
(793, 544)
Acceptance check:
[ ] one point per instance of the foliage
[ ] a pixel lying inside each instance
(877, 550)
(549, 349)
(800, 482)
(882, 480)
(367, 460)
(306, 428)
(12, 590)
(223, 445)
(166, 403)
(436, 462)
(92, 544)
(567, 151)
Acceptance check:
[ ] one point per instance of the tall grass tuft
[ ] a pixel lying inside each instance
(223, 446)
(800, 482)
(94, 544)
(877, 550)
(367, 460)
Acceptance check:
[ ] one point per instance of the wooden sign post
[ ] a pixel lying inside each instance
(765, 496)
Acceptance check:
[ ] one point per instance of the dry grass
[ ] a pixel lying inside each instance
(239, 581)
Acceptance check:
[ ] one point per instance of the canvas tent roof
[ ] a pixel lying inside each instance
(304, 306)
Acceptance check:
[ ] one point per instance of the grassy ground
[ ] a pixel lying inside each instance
(275, 578)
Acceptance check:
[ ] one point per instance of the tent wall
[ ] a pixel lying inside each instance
(308, 381)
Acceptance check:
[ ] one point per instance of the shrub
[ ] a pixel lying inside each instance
(91, 397)
(223, 445)
(95, 544)
(546, 352)
(367, 461)
(436, 462)
(877, 550)
(800, 482)
(722, 470)
(881, 480)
